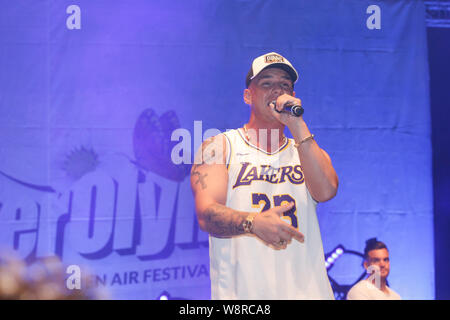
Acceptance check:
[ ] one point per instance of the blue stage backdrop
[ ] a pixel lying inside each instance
(91, 91)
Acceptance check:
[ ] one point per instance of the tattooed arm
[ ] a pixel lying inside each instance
(209, 180)
(223, 222)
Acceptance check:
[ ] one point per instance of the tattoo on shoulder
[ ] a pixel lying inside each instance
(201, 178)
(211, 152)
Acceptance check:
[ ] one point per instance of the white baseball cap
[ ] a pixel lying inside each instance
(272, 60)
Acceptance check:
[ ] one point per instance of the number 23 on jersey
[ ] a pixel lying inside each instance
(262, 201)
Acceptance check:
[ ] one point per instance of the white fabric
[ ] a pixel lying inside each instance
(365, 290)
(246, 268)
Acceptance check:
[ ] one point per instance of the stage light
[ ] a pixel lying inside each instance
(340, 290)
(332, 256)
(164, 296)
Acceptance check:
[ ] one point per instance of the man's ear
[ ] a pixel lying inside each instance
(293, 93)
(365, 264)
(247, 96)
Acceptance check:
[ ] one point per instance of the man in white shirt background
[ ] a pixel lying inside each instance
(377, 264)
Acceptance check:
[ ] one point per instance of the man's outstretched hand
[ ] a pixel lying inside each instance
(269, 227)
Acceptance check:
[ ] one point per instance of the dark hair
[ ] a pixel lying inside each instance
(373, 244)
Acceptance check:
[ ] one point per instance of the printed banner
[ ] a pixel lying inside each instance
(91, 93)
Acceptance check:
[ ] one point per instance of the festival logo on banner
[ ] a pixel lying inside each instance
(116, 206)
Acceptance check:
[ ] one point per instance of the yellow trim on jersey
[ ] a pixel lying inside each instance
(259, 149)
(231, 150)
(265, 202)
(258, 206)
(285, 146)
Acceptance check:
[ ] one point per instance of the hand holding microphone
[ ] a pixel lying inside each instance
(293, 110)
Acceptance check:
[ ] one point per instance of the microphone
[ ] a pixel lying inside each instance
(294, 110)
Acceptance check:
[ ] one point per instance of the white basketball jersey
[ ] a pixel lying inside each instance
(244, 267)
